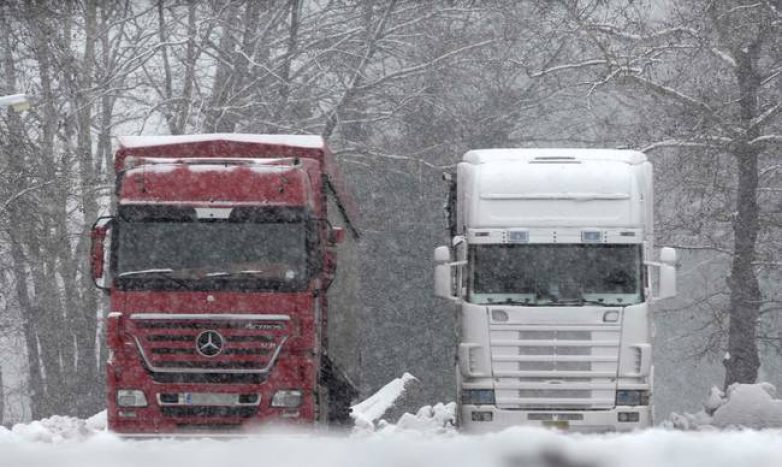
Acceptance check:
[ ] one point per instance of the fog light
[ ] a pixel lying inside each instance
(249, 399)
(629, 416)
(131, 398)
(290, 398)
(478, 396)
(482, 416)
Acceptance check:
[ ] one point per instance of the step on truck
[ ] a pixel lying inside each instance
(217, 262)
(551, 270)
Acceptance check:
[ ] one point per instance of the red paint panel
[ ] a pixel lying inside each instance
(194, 185)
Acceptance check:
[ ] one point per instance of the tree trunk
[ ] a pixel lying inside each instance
(742, 361)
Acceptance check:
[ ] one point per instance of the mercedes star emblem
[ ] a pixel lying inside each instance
(209, 343)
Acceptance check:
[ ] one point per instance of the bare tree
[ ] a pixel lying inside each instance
(733, 110)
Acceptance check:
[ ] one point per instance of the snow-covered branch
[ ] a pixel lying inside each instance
(766, 139)
(724, 56)
(706, 143)
(765, 116)
(622, 34)
(424, 66)
(569, 66)
(672, 93)
(23, 192)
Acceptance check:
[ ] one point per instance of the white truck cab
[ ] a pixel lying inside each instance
(551, 271)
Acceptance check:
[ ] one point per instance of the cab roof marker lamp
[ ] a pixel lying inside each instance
(591, 236)
(518, 236)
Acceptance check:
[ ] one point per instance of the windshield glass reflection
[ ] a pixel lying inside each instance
(556, 275)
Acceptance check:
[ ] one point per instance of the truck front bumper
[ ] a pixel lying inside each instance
(486, 418)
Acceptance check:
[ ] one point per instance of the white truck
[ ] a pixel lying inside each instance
(550, 268)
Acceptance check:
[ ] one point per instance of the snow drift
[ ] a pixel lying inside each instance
(743, 406)
(425, 439)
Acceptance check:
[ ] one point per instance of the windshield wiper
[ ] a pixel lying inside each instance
(144, 271)
(164, 273)
(582, 302)
(510, 301)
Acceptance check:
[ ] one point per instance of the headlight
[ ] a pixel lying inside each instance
(632, 398)
(478, 396)
(131, 398)
(289, 398)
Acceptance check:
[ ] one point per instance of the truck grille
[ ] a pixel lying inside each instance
(209, 348)
(209, 411)
(544, 367)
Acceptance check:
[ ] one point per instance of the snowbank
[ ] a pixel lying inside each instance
(440, 418)
(744, 406)
(518, 447)
(426, 439)
(367, 412)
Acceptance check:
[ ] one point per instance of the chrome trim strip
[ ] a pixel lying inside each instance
(210, 316)
(243, 371)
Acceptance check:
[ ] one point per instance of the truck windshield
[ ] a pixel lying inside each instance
(170, 248)
(556, 275)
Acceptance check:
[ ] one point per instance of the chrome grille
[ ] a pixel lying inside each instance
(250, 343)
(548, 366)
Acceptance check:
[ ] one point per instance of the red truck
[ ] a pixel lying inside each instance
(217, 265)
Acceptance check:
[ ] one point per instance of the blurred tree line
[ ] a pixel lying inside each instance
(399, 88)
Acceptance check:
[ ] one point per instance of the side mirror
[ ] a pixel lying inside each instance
(99, 249)
(667, 273)
(336, 235)
(443, 273)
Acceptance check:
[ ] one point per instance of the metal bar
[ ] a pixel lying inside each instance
(555, 358)
(555, 374)
(557, 387)
(552, 343)
(554, 402)
(580, 327)
(244, 371)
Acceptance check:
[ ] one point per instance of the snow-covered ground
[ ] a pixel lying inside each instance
(424, 439)
(516, 447)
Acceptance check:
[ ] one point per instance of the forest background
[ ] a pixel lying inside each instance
(399, 89)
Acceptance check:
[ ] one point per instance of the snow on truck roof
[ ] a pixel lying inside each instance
(482, 156)
(299, 141)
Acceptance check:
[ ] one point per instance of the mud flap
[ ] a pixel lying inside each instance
(340, 392)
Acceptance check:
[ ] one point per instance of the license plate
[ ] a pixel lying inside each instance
(209, 398)
(557, 424)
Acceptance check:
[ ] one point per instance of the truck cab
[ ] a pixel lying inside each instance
(218, 261)
(552, 273)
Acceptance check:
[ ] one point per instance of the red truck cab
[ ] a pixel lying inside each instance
(217, 263)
